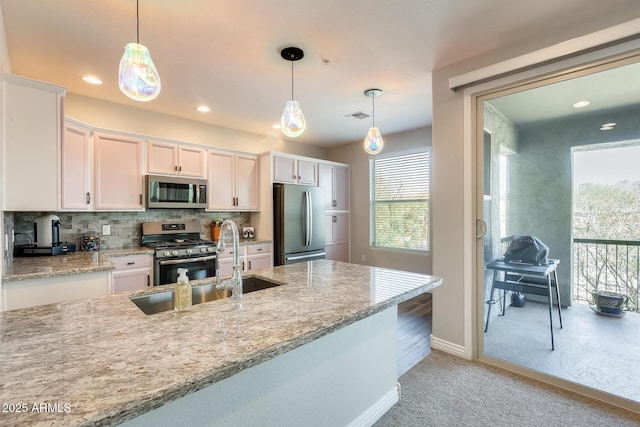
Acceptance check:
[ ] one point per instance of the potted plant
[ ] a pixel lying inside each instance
(609, 303)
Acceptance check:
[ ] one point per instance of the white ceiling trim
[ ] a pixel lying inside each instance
(578, 44)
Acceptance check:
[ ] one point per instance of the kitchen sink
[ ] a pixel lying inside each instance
(163, 301)
(251, 284)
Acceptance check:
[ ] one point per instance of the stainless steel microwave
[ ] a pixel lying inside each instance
(176, 192)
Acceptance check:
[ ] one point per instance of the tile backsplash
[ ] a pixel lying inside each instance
(125, 226)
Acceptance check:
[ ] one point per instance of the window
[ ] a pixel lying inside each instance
(399, 202)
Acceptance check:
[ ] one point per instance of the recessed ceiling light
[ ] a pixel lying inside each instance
(606, 128)
(609, 125)
(92, 79)
(581, 104)
(203, 109)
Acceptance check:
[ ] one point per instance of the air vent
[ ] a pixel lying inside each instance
(358, 115)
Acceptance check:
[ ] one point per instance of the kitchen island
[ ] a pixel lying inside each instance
(325, 335)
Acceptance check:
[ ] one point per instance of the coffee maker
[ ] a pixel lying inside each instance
(46, 231)
(46, 239)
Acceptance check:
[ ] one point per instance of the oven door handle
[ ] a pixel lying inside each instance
(186, 260)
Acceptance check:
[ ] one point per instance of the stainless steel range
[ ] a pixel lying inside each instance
(177, 244)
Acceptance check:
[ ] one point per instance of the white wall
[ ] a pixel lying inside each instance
(109, 115)
(354, 155)
(5, 67)
(5, 61)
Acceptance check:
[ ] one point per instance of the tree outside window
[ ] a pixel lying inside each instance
(399, 202)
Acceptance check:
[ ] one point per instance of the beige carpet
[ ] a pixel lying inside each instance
(444, 390)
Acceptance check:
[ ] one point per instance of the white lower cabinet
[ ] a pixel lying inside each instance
(251, 257)
(258, 256)
(131, 273)
(50, 290)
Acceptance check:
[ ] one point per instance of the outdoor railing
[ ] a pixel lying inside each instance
(606, 265)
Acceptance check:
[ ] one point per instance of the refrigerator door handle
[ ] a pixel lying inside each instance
(307, 218)
(299, 257)
(310, 223)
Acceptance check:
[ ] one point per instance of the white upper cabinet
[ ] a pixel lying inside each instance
(76, 168)
(334, 179)
(175, 159)
(247, 186)
(297, 171)
(233, 181)
(30, 139)
(118, 172)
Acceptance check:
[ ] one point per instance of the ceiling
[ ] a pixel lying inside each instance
(226, 54)
(605, 90)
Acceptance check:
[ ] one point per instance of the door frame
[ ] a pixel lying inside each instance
(474, 97)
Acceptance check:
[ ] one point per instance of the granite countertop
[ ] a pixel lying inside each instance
(247, 242)
(102, 361)
(25, 268)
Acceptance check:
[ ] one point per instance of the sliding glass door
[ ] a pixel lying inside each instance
(525, 145)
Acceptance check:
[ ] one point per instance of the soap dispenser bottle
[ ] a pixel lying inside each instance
(182, 293)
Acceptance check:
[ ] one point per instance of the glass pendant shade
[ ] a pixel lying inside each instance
(138, 77)
(292, 122)
(373, 142)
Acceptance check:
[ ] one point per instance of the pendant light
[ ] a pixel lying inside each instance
(373, 143)
(138, 77)
(292, 121)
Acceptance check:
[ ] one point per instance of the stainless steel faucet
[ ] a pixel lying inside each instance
(235, 282)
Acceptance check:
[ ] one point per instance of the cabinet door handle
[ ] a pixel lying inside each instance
(131, 263)
(334, 203)
(180, 169)
(249, 264)
(259, 249)
(294, 177)
(140, 199)
(175, 168)
(88, 198)
(242, 265)
(148, 280)
(334, 218)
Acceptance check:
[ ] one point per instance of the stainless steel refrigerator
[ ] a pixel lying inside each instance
(298, 223)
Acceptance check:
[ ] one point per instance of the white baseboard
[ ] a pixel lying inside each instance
(448, 347)
(378, 409)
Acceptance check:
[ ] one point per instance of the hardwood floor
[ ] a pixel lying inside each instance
(414, 331)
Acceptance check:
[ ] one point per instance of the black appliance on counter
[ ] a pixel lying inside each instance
(59, 248)
(177, 244)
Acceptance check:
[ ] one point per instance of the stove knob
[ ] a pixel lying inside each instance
(174, 252)
(165, 253)
(188, 251)
(210, 249)
(203, 249)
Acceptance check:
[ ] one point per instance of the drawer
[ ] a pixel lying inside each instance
(131, 262)
(228, 253)
(258, 249)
